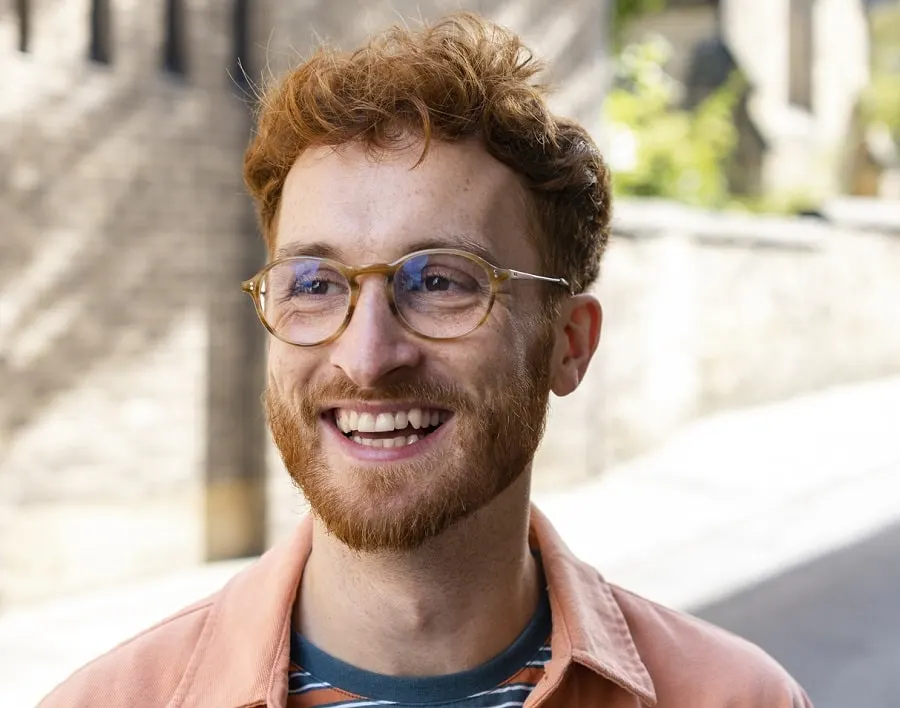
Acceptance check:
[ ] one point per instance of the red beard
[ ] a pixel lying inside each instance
(401, 505)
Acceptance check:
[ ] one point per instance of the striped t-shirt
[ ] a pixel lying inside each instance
(318, 680)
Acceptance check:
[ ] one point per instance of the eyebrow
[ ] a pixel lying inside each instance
(316, 249)
(321, 249)
(458, 241)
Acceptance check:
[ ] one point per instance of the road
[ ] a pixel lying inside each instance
(834, 622)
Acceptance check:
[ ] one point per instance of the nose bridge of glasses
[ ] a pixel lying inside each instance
(354, 273)
(357, 275)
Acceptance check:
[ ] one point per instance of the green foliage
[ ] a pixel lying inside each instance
(659, 149)
(626, 10)
(881, 100)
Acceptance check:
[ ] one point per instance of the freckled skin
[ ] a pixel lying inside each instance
(376, 211)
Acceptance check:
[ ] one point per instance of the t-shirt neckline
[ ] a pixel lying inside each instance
(427, 689)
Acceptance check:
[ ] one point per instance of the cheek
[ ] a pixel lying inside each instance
(288, 367)
(491, 355)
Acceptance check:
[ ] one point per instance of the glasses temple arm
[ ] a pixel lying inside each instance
(521, 275)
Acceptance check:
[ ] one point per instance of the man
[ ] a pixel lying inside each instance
(432, 231)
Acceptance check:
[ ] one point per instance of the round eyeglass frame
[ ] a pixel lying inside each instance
(496, 275)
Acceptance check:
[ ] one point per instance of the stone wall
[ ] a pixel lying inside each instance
(708, 311)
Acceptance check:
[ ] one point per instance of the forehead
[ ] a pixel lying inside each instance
(363, 207)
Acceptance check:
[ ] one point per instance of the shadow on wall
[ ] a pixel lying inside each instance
(123, 206)
(100, 254)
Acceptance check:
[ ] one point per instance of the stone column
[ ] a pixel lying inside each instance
(235, 518)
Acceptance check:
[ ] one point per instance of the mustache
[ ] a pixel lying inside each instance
(442, 394)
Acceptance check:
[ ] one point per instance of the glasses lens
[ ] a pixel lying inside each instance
(304, 300)
(442, 295)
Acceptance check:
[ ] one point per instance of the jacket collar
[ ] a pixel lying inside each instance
(588, 625)
(243, 652)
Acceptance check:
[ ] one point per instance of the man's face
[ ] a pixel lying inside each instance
(457, 420)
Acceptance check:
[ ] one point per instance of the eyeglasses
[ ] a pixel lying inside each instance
(435, 293)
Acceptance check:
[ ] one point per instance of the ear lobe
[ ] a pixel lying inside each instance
(582, 318)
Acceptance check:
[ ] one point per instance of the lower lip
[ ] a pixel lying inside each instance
(364, 453)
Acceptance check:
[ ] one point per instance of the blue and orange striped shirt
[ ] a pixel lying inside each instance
(318, 680)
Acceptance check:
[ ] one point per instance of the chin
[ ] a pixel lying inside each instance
(384, 514)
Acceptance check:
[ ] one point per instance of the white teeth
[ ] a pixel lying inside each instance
(399, 441)
(384, 423)
(366, 423)
(349, 421)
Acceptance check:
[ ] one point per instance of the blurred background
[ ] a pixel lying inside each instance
(741, 422)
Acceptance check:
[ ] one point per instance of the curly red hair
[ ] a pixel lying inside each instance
(462, 78)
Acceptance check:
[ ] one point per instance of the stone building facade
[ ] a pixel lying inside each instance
(127, 363)
(806, 63)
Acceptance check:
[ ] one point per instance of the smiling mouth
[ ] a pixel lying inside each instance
(388, 429)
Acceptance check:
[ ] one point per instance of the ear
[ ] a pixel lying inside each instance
(580, 320)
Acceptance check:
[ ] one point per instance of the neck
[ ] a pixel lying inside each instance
(448, 606)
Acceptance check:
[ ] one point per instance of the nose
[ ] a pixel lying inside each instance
(375, 344)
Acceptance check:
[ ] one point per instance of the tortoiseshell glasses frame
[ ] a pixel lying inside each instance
(256, 288)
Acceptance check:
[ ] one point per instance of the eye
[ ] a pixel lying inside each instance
(310, 286)
(442, 276)
(308, 280)
(438, 279)
(436, 283)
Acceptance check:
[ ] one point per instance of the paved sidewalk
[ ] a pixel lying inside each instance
(742, 496)
(730, 501)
